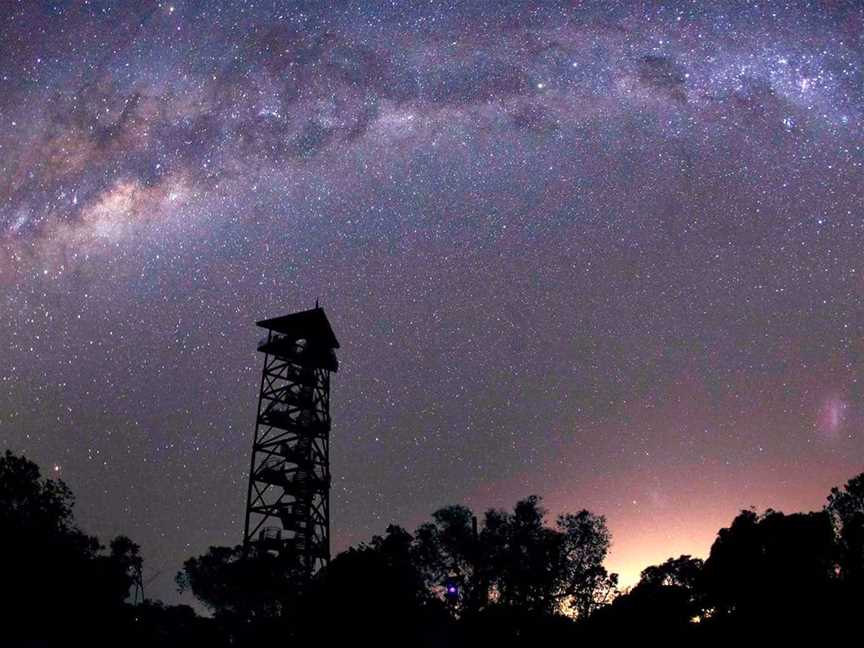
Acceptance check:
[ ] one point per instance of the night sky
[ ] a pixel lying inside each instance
(609, 253)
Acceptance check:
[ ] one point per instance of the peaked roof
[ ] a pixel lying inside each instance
(310, 324)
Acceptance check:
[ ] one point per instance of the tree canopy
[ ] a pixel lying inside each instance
(45, 556)
(511, 578)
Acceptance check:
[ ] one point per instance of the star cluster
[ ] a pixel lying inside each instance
(606, 252)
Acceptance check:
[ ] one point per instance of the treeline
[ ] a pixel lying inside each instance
(509, 579)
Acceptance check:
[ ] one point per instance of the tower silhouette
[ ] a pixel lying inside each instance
(288, 500)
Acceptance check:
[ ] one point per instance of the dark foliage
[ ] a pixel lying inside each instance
(392, 590)
(769, 578)
(664, 603)
(380, 594)
(772, 568)
(514, 581)
(46, 561)
(846, 508)
(59, 585)
(153, 624)
(516, 560)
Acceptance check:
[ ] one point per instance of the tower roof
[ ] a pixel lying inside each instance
(311, 324)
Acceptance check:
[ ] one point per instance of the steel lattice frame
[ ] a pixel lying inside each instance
(288, 502)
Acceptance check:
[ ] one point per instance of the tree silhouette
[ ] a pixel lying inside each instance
(446, 550)
(516, 560)
(663, 604)
(523, 554)
(680, 572)
(153, 624)
(231, 586)
(381, 597)
(49, 565)
(514, 581)
(846, 508)
(547, 569)
(583, 582)
(771, 570)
